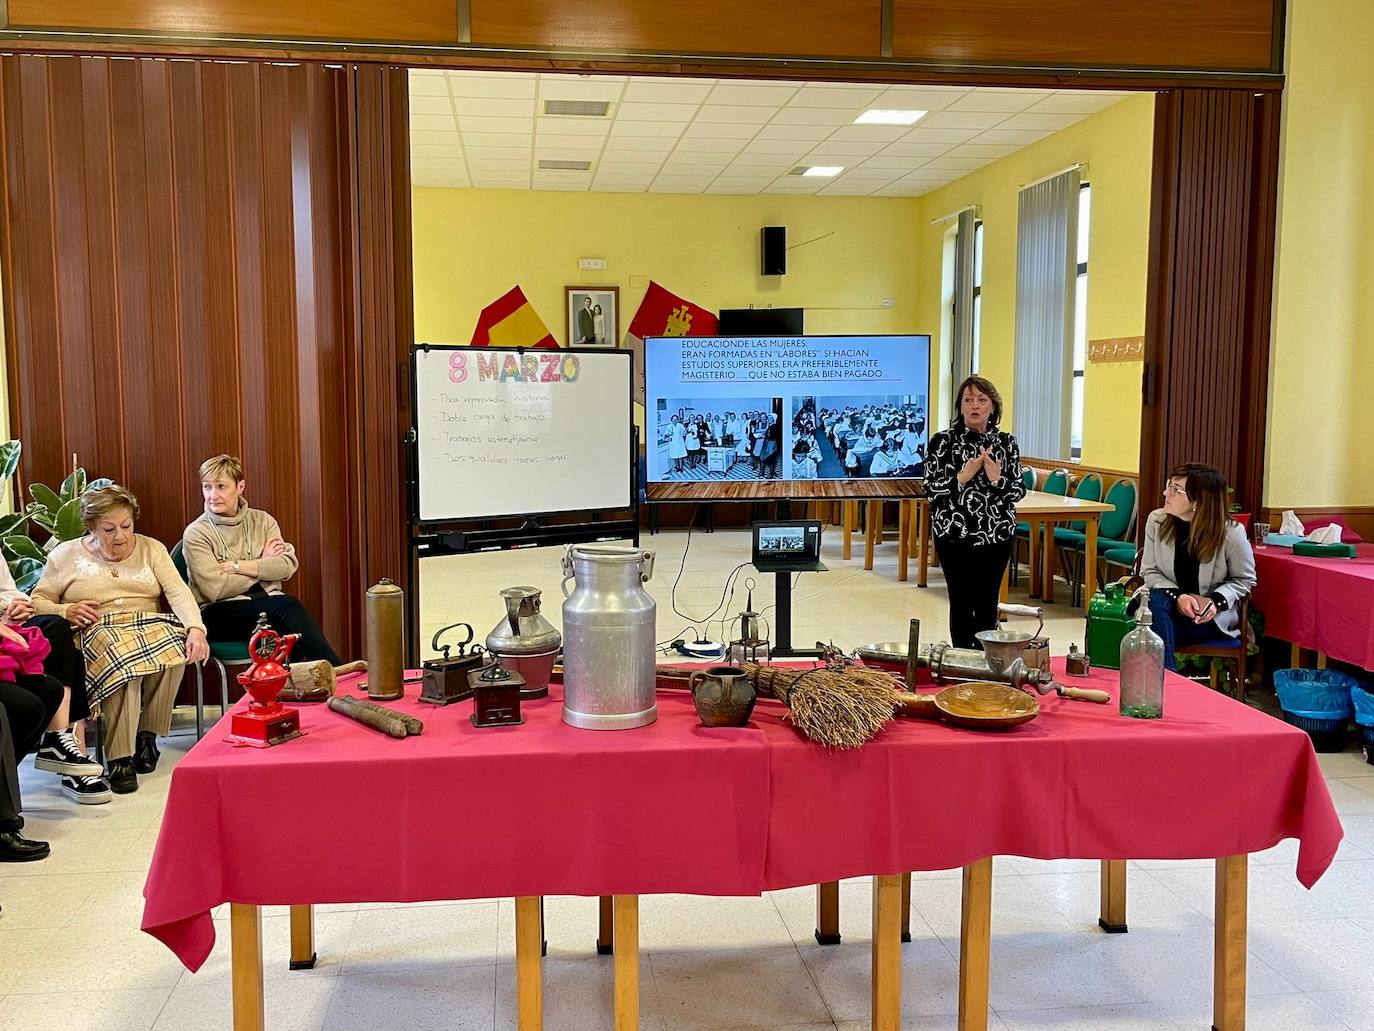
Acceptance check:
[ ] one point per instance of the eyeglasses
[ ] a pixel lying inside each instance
(1174, 490)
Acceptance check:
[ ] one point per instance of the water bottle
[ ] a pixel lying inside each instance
(1142, 667)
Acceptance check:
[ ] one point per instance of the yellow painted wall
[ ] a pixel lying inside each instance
(471, 246)
(1321, 444)
(1116, 144)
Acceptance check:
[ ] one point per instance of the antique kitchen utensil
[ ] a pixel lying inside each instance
(748, 643)
(445, 680)
(1002, 647)
(266, 721)
(977, 705)
(314, 681)
(496, 696)
(384, 605)
(609, 649)
(1076, 664)
(527, 643)
(724, 696)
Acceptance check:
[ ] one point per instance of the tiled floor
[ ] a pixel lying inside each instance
(72, 957)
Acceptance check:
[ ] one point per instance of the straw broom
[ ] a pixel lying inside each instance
(839, 709)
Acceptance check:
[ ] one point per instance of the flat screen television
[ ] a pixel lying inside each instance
(810, 416)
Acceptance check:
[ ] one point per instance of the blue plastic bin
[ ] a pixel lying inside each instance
(1364, 716)
(1319, 702)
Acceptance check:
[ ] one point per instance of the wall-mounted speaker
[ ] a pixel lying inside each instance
(773, 249)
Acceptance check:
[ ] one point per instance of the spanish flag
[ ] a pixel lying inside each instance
(511, 321)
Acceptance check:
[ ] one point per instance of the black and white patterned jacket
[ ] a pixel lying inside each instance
(978, 511)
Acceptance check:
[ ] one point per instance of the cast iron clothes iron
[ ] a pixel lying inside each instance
(445, 680)
(525, 641)
(266, 722)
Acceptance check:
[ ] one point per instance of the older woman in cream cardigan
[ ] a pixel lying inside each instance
(110, 585)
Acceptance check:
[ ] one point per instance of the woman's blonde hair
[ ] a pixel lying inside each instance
(97, 504)
(227, 465)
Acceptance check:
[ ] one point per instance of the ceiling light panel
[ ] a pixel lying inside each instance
(890, 116)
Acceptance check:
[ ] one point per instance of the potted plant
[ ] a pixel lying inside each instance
(56, 513)
(1233, 510)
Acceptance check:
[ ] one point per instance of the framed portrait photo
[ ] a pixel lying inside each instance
(593, 314)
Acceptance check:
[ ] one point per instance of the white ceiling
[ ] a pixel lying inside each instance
(487, 130)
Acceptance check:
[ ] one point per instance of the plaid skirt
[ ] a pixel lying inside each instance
(125, 645)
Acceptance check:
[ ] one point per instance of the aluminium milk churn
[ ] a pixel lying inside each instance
(608, 637)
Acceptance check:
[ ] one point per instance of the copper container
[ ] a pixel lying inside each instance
(384, 608)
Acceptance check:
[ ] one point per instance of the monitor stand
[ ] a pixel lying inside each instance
(782, 594)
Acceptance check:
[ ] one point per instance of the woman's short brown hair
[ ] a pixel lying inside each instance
(98, 503)
(983, 386)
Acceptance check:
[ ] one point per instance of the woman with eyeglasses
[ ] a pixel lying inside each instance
(1197, 560)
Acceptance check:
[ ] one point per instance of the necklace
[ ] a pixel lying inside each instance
(110, 563)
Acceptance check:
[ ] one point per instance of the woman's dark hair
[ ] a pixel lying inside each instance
(1206, 488)
(983, 386)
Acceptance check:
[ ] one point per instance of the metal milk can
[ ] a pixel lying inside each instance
(608, 637)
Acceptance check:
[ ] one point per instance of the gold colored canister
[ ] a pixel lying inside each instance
(385, 618)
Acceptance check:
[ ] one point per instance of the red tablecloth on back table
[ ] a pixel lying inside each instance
(1326, 604)
(346, 815)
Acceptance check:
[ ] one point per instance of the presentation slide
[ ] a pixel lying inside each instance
(786, 408)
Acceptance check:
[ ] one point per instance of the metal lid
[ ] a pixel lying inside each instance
(383, 586)
(524, 631)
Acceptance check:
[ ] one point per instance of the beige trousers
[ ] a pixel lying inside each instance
(144, 703)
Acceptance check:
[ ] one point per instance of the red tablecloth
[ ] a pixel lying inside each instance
(347, 815)
(1322, 603)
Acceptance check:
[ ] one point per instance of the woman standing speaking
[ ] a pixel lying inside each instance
(973, 481)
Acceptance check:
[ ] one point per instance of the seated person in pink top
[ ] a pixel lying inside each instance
(237, 561)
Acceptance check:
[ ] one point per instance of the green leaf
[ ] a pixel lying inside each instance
(9, 458)
(27, 572)
(19, 546)
(68, 526)
(12, 522)
(44, 495)
(73, 485)
(44, 517)
(102, 482)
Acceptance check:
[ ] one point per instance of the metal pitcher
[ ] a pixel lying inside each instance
(608, 637)
(526, 642)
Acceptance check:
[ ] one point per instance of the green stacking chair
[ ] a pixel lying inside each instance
(222, 653)
(1056, 482)
(1114, 531)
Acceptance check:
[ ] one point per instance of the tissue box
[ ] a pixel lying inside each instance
(1324, 550)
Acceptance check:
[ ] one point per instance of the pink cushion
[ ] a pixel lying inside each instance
(1348, 536)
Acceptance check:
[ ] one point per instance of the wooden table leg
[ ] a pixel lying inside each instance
(1090, 561)
(975, 944)
(1321, 660)
(302, 937)
(529, 964)
(906, 907)
(1113, 918)
(605, 931)
(245, 934)
(626, 962)
(1047, 550)
(847, 511)
(923, 540)
(1228, 986)
(903, 546)
(873, 525)
(828, 913)
(887, 954)
(1033, 560)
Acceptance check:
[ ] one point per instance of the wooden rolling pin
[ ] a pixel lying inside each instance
(413, 724)
(351, 708)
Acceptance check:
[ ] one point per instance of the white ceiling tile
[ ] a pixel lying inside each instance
(962, 120)
(442, 167)
(616, 187)
(796, 184)
(496, 107)
(946, 136)
(587, 128)
(425, 150)
(740, 115)
(591, 88)
(1015, 137)
(907, 158)
(582, 77)
(872, 172)
(507, 125)
(841, 188)
(441, 181)
(907, 151)
(897, 166)
(426, 84)
(616, 166)
(1043, 121)
(421, 137)
(649, 143)
(699, 181)
(689, 164)
(744, 94)
(658, 187)
(757, 161)
(433, 123)
(723, 186)
(561, 151)
(982, 150)
(666, 91)
(1075, 102)
(916, 98)
(948, 164)
(663, 130)
(796, 148)
(614, 178)
(995, 100)
(563, 175)
(500, 153)
(845, 149)
(430, 106)
(655, 112)
(812, 116)
(475, 140)
(719, 131)
(855, 100)
(878, 134)
(690, 144)
(801, 133)
(485, 84)
(480, 167)
(501, 182)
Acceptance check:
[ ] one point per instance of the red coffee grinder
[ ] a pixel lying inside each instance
(267, 721)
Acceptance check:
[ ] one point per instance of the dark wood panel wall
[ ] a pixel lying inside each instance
(1209, 293)
(1084, 39)
(187, 272)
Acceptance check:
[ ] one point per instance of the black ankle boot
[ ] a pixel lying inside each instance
(146, 753)
(123, 779)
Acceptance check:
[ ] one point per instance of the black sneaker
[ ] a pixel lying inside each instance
(146, 754)
(123, 779)
(58, 754)
(86, 790)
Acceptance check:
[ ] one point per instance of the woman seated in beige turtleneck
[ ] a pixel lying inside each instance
(114, 586)
(237, 560)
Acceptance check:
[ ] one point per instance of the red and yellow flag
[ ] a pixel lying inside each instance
(511, 321)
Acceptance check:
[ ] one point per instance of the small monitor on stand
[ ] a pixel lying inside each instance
(784, 547)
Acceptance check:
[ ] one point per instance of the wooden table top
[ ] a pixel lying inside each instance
(1038, 503)
(799, 490)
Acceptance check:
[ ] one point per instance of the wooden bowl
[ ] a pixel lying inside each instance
(983, 705)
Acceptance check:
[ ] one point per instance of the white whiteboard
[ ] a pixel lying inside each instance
(499, 433)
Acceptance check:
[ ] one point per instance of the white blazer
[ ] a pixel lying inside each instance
(1230, 573)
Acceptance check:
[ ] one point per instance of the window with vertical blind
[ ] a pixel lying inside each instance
(977, 294)
(1080, 324)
